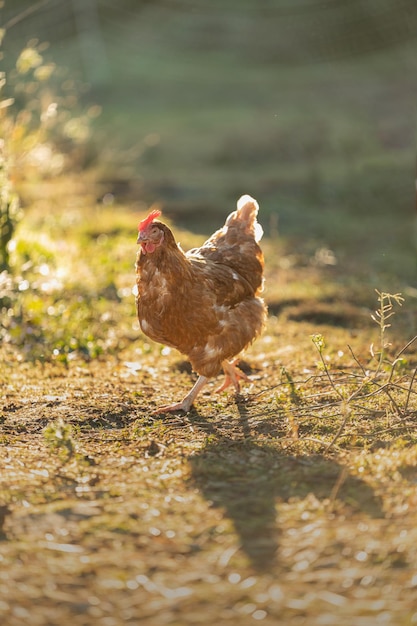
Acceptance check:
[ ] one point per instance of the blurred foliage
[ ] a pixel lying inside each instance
(320, 29)
(9, 211)
(41, 136)
(60, 303)
(304, 105)
(43, 129)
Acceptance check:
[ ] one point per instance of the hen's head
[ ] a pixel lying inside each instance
(152, 234)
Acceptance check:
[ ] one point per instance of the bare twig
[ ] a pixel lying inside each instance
(407, 345)
(407, 400)
(356, 360)
(398, 355)
(339, 482)
(341, 427)
(318, 341)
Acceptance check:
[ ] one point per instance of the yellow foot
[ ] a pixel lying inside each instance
(172, 408)
(186, 404)
(232, 376)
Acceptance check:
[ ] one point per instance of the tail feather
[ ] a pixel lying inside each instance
(247, 211)
(236, 244)
(247, 207)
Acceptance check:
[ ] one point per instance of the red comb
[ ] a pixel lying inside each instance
(148, 220)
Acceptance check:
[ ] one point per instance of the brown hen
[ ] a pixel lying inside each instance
(205, 303)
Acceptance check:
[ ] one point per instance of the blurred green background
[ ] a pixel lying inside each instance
(308, 105)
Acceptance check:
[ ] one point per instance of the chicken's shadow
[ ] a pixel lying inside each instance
(247, 479)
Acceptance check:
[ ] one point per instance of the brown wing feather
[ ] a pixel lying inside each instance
(182, 308)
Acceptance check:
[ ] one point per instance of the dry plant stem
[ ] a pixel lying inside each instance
(410, 390)
(340, 430)
(356, 360)
(394, 403)
(317, 379)
(384, 388)
(339, 482)
(346, 416)
(326, 371)
(381, 318)
(397, 356)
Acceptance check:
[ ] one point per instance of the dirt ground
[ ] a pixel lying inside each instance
(246, 510)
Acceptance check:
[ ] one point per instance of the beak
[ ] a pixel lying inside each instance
(141, 237)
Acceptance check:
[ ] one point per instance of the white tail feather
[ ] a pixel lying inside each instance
(259, 232)
(247, 210)
(247, 200)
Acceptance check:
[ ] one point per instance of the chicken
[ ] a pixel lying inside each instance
(205, 303)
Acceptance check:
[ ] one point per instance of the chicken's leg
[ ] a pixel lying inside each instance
(185, 405)
(232, 376)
